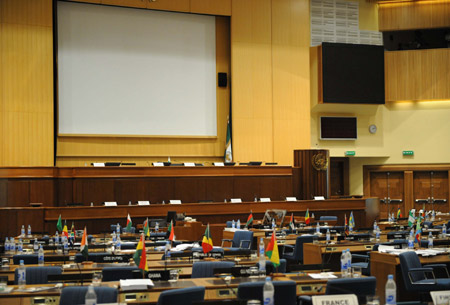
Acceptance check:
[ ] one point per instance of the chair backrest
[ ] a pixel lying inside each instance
(76, 295)
(183, 296)
(242, 235)
(428, 224)
(270, 266)
(37, 275)
(298, 249)
(361, 287)
(409, 260)
(206, 269)
(118, 273)
(328, 218)
(28, 259)
(285, 292)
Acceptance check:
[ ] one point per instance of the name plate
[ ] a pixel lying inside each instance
(143, 202)
(219, 164)
(236, 200)
(440, 297)
(158, 275)
(319, 198)
(202, 255)
(113, 259)
(291, 199)
(110, 204)
(338, 299)
(189, 164)
(175, 201)
(264, 199)
(97, 164)
(158, 164)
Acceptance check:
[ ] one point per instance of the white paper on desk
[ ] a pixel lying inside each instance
(110, 204)
(236, 200)
(145, 202)
(323, 275)
(158, 164)
(264, 199)
(175, 201)
(291, 199)
(385, 249)
(135, 284)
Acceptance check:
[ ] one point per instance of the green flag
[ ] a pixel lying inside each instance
(59, 224)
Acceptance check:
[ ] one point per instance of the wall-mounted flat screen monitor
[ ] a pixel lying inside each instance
(338, 128)
(353, 73)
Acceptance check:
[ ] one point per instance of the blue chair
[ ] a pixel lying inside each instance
(28, 259)
(364, 260)
(294, 255)
(285, 292)
(131, 230)
(206, 269)
(76, 295)
(421, 279)
(242, 239)
(118, 273)
(281, 267)
(183, 296)
(361, 287)
(37, 275)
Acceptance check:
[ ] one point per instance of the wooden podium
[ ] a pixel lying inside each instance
(313, 167)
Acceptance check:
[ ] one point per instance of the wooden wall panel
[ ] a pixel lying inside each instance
(410, 15)
(427, 186)
(218, 189)
(251, 54)
(211, 7)
(80, 151)
(417, 75)
(386, 186)
(291, 88)
(26, 98)
(314, 182)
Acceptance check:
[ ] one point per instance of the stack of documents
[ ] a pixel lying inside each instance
(136, 284)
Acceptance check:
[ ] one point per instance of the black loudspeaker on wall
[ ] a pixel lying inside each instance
(222, 79)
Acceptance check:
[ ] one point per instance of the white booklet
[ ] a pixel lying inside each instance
(136, 284)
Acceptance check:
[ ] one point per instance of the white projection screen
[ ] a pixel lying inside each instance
(124, 71)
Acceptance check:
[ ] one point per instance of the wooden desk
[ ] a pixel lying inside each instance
(318, 253)
(216, 289)
(383, 264)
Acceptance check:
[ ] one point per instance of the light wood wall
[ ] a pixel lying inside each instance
(270, 70)
(410, 15)
(26, 83)
(417, 75)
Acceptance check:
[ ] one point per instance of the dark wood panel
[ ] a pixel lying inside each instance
(431, 185)
(18, 193)
(339, 177)
(126, 190)
(189, 189)
(3, 192)
(276, 188)
(64, 192)
(386, 185)
(161, 189)
(314, 181)
(43, 191)
(218, 188)
(94, 190)
(247, 188)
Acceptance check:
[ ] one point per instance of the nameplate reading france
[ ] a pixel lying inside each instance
(339, 299)
(440, 297)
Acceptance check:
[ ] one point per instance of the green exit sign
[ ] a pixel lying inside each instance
(408, 153)
(350, 153)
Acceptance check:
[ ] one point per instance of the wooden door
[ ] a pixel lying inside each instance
(389, 187)
(431, 190)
